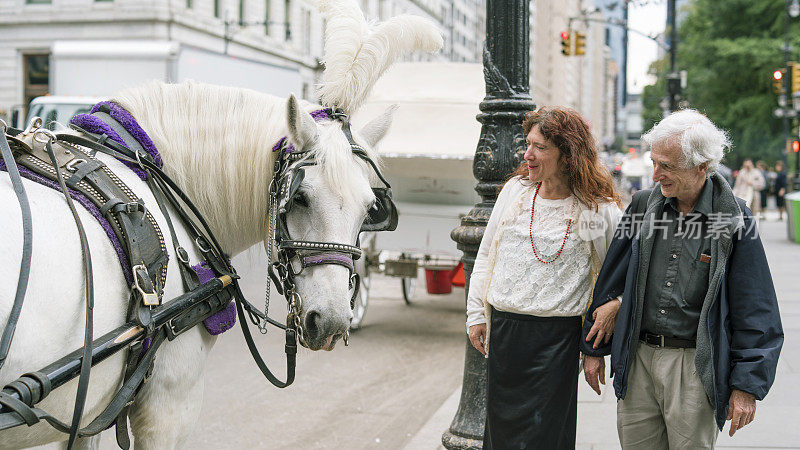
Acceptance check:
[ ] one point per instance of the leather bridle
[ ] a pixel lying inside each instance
(288, 257)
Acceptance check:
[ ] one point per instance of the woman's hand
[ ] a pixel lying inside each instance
(605, 319)
(477, 336)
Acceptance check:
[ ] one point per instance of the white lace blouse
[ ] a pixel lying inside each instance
(507, 276)
(520, 282)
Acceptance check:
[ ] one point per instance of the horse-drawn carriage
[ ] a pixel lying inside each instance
(427, 157)
(135, 213)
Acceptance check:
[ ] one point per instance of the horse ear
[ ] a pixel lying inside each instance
(376, 129)
(302, 128)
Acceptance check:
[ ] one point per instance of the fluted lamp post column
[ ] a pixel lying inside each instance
(500, 149)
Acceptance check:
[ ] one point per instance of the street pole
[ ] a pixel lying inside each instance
(783, 101)
(673, 78)
(500, 149)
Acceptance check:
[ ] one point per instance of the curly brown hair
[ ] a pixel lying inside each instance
(588, 180)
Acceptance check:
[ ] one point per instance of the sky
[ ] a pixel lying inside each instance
(649, 19)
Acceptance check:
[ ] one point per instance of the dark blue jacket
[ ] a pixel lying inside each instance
(739, 334)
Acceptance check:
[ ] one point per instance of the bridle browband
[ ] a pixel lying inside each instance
(292, 256)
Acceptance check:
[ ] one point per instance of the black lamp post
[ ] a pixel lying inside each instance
(500, 149)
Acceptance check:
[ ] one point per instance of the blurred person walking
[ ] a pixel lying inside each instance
(780, 188)
(532, 280)
(763, 195)
(749, 183)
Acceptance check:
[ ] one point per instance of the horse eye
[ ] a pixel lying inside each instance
(301, 199)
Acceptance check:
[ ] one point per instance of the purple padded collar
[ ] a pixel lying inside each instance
(318, 115)
(93, 124)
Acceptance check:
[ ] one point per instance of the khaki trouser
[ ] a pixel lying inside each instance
(665, 406)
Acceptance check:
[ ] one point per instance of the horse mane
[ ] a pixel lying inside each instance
(358, 53)
(216, 143)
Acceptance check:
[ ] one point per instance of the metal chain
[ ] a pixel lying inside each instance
(271, 217)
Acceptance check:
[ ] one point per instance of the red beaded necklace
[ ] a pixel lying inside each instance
(530, 231)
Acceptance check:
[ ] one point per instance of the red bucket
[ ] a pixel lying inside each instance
(438, 281)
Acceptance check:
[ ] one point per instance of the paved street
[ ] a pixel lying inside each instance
(396, 385)
(375, 393)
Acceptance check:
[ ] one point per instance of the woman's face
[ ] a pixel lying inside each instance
(542, 156)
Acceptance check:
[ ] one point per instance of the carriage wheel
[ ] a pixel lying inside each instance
(360, 306)
(409, 286)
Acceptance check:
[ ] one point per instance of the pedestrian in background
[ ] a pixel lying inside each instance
(532, 281)
(780, 188)
(763, 195)
(699, 333)
(749, 183)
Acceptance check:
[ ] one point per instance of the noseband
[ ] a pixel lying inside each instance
(288, 257)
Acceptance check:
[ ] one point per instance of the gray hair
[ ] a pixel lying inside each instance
(700, 140)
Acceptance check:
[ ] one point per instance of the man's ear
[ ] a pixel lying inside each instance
(376, 129)
(302, 128)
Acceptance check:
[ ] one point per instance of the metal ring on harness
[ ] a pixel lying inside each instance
(49, 135)
(35, 124)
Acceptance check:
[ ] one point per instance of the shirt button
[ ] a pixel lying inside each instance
(663, 311)
(669, 283)
(674, 256)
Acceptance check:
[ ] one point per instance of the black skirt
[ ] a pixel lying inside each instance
(532, 385)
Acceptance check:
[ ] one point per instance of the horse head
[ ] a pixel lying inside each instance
(329, 205)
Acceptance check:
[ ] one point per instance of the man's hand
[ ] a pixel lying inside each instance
(594, 370)
(477, 336)
(605, 319)
(741, 410)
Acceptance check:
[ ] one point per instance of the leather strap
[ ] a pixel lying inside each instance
(86, 364)
(27, 247)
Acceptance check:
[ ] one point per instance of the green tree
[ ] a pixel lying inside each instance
(730, 49)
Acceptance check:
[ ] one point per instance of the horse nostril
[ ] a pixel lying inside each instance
(312, 325)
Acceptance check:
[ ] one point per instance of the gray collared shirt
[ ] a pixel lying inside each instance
(677, 280)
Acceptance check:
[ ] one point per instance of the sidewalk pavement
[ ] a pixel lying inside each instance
(775, 425)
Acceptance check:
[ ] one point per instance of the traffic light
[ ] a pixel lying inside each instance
(796, 146)
(566, 43)
(794, 80)
(777, 80)
(580, 43)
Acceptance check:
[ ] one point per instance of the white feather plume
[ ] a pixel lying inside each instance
(357, 53)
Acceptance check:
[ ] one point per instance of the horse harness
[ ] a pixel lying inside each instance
(292, 256)
(73, 158)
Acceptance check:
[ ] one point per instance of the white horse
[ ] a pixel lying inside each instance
(216, 144)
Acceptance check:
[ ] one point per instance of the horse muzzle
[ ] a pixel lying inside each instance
(322, 331)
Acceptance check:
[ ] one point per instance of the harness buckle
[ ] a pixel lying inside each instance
(148, 298)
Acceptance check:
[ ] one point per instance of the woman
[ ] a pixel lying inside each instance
(749, 182)
(532, 280)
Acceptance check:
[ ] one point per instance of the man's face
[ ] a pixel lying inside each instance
(675, 179)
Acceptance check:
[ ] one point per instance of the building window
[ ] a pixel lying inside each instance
(287, 15)
(35, 2)
(216, 9)
(188, 4)
(36, 75)
(241, 12)
(266, 17)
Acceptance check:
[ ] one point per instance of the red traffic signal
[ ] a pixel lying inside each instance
(565, 35)
(777, 75)
(796, 146)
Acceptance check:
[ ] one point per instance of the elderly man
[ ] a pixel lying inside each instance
(698, 333)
